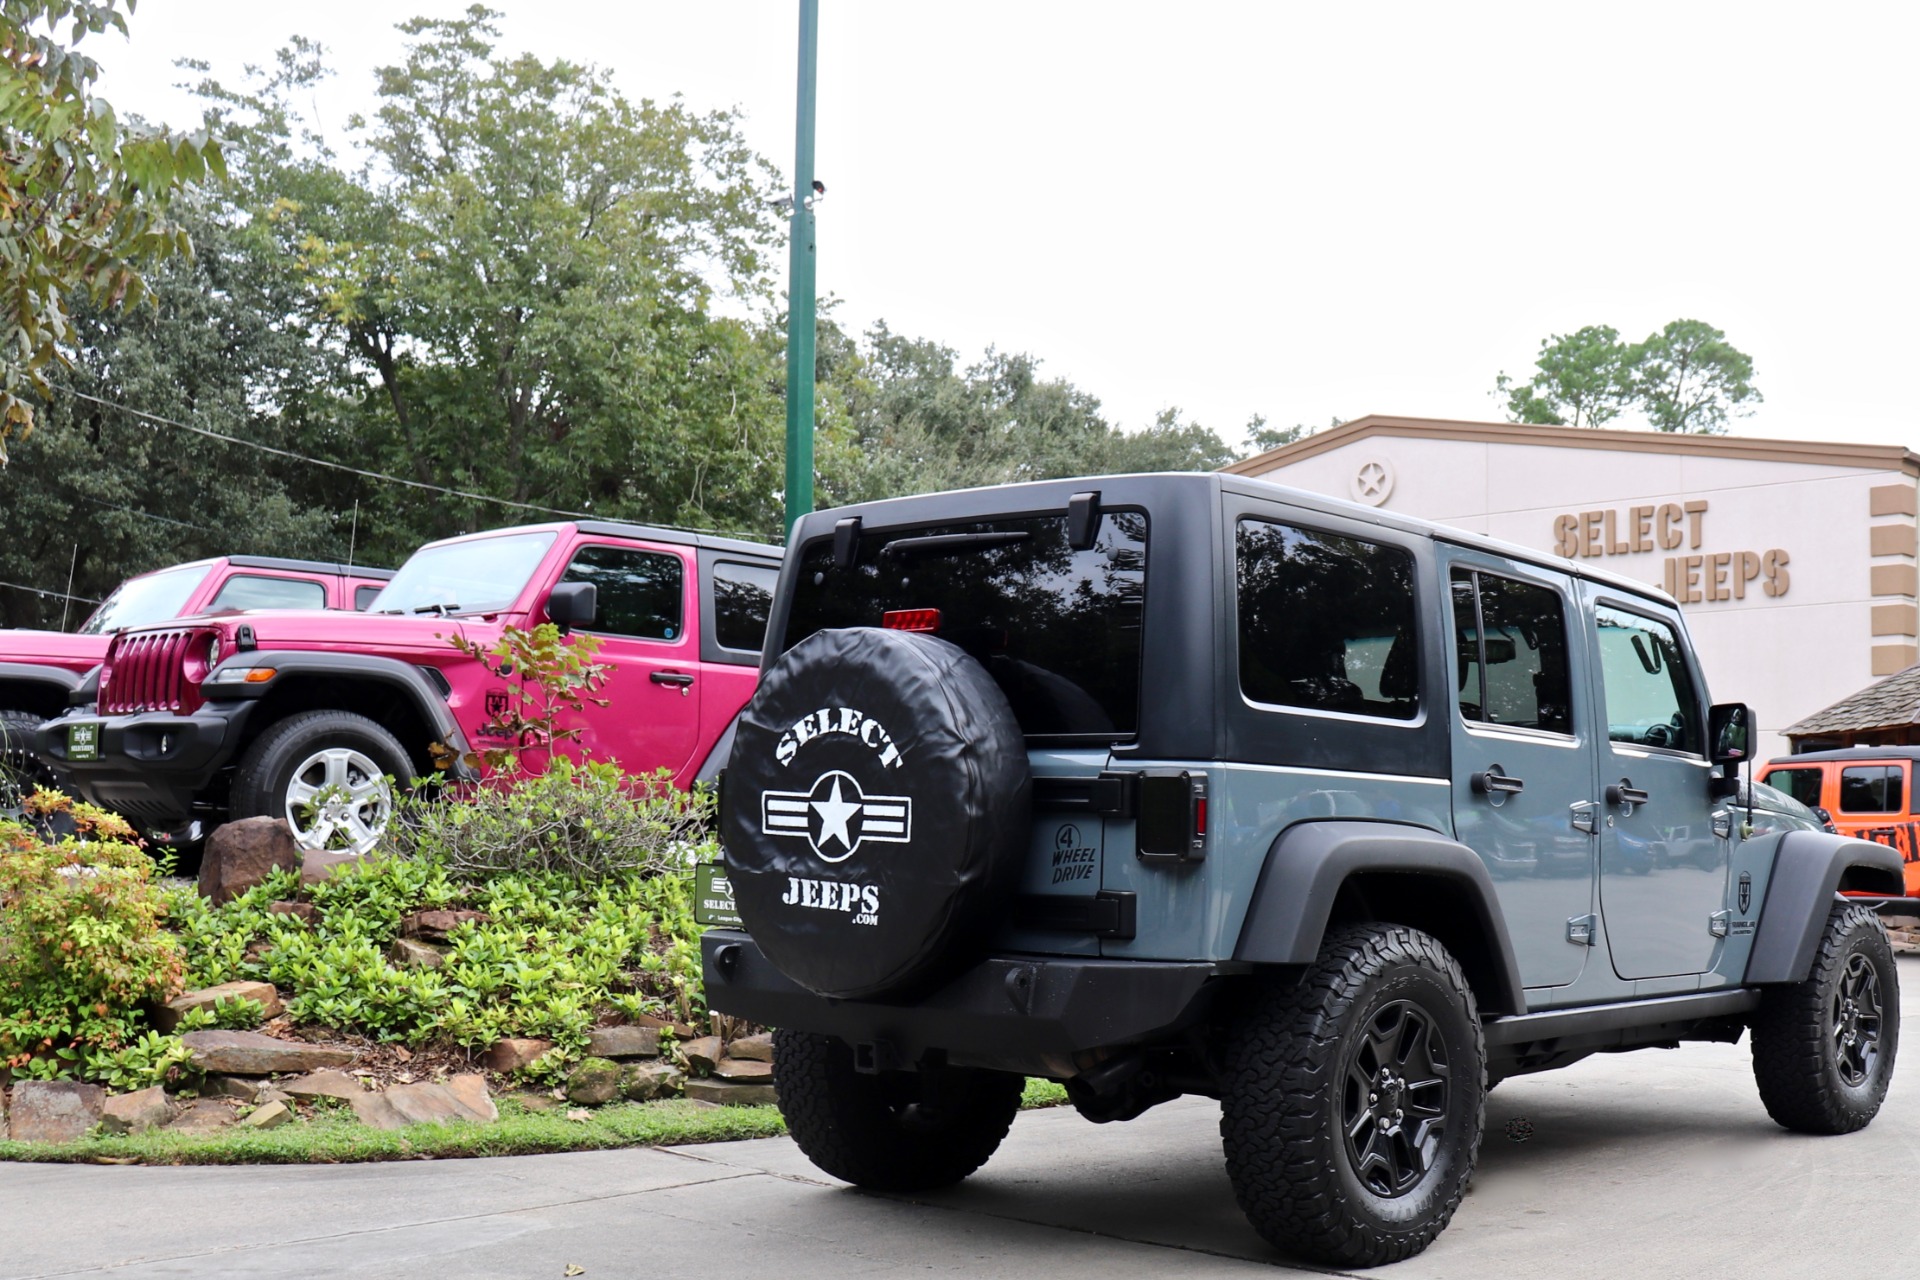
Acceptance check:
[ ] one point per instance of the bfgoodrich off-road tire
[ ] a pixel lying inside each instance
(1353, 1099)
(897, 1131)
(324, 772)
(22, 771)
(1823, 1049)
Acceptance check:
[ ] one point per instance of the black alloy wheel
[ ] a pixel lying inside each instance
(1394, 1104)
(1352, 1097)
(1824, 1047)
(1856, 1020)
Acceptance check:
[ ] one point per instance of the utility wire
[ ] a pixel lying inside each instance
(145, 515)
(357, 471)
(45, 591)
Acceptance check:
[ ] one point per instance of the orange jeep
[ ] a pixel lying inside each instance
(1866, 791)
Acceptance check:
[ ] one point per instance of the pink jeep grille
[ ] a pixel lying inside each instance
(147, 671)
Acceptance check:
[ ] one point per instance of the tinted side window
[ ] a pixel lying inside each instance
(742, 595)
(245, 591)
(1650, 700)
(364, 596)
(1802, 784)
(1873, 788)
(1326, 622)
(640, 591)
(1512, 639)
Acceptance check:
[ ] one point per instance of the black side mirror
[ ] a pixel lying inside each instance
(573, 604)
(1730, 731)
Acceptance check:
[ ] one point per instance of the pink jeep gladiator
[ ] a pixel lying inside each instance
(305, 715)
(40, 669)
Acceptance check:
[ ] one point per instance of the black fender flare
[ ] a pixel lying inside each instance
(716, 759)
(1808, 867)
(1308, 864)
(56, 683)
(427, 694)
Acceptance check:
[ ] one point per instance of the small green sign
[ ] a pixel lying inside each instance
(713, 896)
(83, 741)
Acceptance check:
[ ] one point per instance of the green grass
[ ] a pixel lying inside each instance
(1043, 1093)
(335, 1137)
(339, 1138)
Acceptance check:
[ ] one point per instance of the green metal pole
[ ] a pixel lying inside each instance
(800, 262)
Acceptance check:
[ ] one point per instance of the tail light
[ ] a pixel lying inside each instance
(1173, 816)
(927, 620)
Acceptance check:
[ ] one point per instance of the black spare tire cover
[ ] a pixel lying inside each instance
(875, 811)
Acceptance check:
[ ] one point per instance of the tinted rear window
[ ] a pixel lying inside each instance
(1874, 788)
(1058, 629)
(1802, 784)
(1326, 622)
(742, 595)
(250, 591)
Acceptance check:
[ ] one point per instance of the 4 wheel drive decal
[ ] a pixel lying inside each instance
(835, 817)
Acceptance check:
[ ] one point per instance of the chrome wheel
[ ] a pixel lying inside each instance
(338, 799)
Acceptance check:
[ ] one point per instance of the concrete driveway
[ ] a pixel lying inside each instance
(1654, 1163)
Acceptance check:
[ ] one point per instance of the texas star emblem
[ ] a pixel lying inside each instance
(836, 817)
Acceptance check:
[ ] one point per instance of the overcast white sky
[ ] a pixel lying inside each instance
(1300, 210)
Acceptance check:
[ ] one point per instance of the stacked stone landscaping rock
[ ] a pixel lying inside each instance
(627, 1062)
(259, 1081)
(244, 1078)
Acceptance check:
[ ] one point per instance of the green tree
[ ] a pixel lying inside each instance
(1581, 379)
(915, 421)
(1688, 377)
(527, 275)
(106, 493)
(1262, 438)
(82, 198)
(1685, 378)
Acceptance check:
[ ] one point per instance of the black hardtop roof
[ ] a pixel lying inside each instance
(1039, 495)
(1444, 533)
(643, 532)
(308, 566)
(1850, 753)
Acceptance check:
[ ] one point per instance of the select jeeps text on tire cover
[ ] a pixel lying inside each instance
(41, 670)
(305, 716)
(1159, 785)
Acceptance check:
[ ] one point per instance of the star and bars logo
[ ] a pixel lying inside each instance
(836, 817)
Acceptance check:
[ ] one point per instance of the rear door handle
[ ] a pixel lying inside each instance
(1495, 782)
(679, 679)
(1624, 792)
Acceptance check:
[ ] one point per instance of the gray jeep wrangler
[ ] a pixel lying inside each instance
(1171, 784)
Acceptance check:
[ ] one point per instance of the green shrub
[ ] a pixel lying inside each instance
(556, 954)
(589, 821)
(235, 1013)
(82, 950)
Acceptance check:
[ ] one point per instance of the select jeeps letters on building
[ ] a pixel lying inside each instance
(1197, 785)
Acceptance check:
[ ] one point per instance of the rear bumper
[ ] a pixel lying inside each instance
(152, 767)
(1013, 1012)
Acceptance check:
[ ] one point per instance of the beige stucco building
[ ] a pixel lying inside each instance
(1795, 561)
